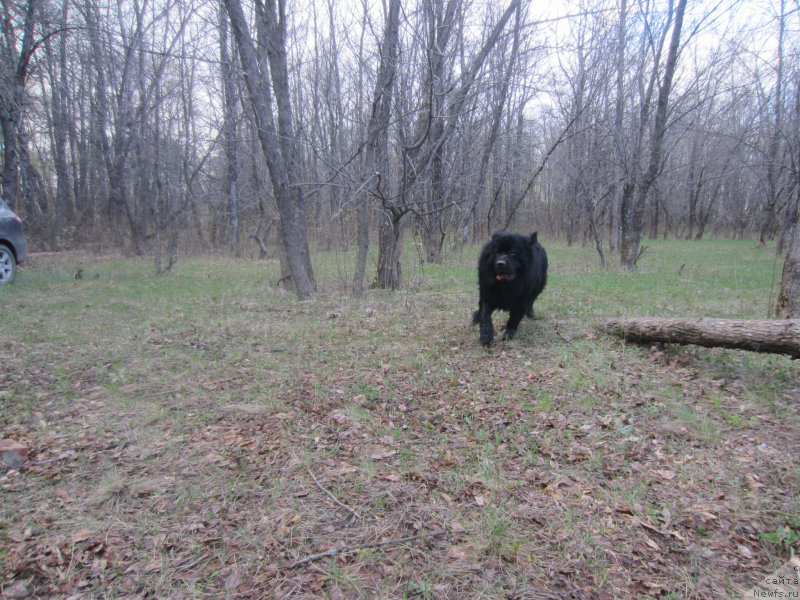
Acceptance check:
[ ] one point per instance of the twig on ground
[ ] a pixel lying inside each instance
(344, 550)
(558, 332)
(332, 497)
(189, 565)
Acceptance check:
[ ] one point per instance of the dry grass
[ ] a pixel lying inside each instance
(206, 435)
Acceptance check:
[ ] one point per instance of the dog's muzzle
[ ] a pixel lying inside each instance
(503, 270)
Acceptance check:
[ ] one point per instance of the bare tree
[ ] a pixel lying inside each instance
(16, 56)
(788, 304)
(278, 144)
(230, 133)
(774, 165)
(421, 154)
(431, 118)
(633, 213)
(376, 157)
(59, 118)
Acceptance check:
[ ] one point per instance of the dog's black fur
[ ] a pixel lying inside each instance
(512, 272)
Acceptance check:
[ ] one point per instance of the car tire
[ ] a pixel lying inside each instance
(8, 265)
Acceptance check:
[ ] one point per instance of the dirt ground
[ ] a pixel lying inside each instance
(374, 450)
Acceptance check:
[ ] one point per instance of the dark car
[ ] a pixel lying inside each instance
(13, 247)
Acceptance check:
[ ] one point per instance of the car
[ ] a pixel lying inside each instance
(13, 247)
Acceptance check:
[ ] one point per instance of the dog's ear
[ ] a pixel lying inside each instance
(496, 235)
(534, 237)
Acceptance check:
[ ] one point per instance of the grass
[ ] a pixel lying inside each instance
(173, 423)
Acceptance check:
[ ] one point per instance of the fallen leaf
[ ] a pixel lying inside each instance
(18, 589)
(343, 470)
(13, 453)
(233, 581)
(665, 474)
(651, 585)
(457, 527)
(153, 566)
(383, 454)
(82, 536)
(99, 565)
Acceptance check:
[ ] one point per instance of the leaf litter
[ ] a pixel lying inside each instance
(383, 453)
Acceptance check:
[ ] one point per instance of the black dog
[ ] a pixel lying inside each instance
(512, 272)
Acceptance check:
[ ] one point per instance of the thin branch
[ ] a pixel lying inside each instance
(332, 497)
(336, 551)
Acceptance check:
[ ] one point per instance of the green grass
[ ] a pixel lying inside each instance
(177, 418)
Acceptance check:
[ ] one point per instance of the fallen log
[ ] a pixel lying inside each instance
(773, 336)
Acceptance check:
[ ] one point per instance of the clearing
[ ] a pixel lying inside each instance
(206, 435)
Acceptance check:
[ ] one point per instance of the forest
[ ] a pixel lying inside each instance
(174, 423)
(279, 129)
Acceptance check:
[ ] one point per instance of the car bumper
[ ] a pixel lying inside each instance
(22, 250)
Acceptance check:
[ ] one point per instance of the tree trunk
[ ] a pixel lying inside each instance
(230, 134)
(441, 22)
(12, 101)
(271, 26)
(288, 194)
(632, 238)
(376, 168)
(619, 146)
(390, 245)
(360, 274)
(59, 120)
(491, 140)
(695, 185)
(773, 166)
(788, 305)
(418, 156)
(777, 337)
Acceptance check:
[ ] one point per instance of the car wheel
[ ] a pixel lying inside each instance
(8, 265)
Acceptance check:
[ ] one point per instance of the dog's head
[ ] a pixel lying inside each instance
(510, 255)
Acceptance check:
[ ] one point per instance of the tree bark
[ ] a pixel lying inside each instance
(418, 158)
(631, 249)
(14, 69)
(376, 161)
(282, 168)
(773, 336)
(390, 248)
(773, 166)
(59, 120)
(788, 303)
(788, 306)
(271, 27)
(230, 134)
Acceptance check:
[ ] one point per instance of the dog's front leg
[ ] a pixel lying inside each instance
(487, 329)
(514, 319)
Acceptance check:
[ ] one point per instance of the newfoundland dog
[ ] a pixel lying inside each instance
(512, 272)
